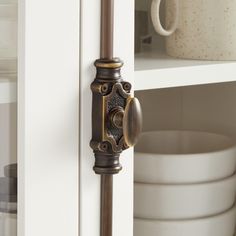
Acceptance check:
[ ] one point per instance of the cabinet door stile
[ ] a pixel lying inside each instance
(48, 118)
(89, 182)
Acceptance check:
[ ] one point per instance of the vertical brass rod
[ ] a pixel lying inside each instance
(106, 52)
(107, 28)
(106, 205)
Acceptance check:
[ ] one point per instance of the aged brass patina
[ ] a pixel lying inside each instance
(116, 116)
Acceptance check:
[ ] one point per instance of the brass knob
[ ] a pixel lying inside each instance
(130, 120)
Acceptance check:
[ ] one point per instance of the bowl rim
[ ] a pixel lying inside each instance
(231, 147)
(198, 219)
(191, 184)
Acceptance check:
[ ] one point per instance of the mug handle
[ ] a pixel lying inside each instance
(155, 15)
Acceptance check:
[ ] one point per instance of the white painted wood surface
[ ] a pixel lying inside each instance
(89, 182)
(48, 118)
(154, 70)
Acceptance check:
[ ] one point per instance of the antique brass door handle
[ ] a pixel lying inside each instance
(116, 116)
(128, 119)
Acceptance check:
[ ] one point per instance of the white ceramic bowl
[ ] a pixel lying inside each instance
(171, 202)
(183, 157)
(219, 225)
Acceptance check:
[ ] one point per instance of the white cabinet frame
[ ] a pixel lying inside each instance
(48, 118)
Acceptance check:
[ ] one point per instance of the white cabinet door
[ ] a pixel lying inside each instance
(59, 194)
(89, 182)
(48, 118)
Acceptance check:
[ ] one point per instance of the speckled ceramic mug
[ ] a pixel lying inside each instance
(198, 29)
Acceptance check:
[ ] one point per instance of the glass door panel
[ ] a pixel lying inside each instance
(8, 118)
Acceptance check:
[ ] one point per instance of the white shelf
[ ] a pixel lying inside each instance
(8, 89)
(156, 70)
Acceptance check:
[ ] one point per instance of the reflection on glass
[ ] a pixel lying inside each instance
(8, 114)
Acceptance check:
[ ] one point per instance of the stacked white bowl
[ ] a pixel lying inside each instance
(185, 184)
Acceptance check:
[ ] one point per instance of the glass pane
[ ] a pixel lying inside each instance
(8, 118)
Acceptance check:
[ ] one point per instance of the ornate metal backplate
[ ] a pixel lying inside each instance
(110, 95)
